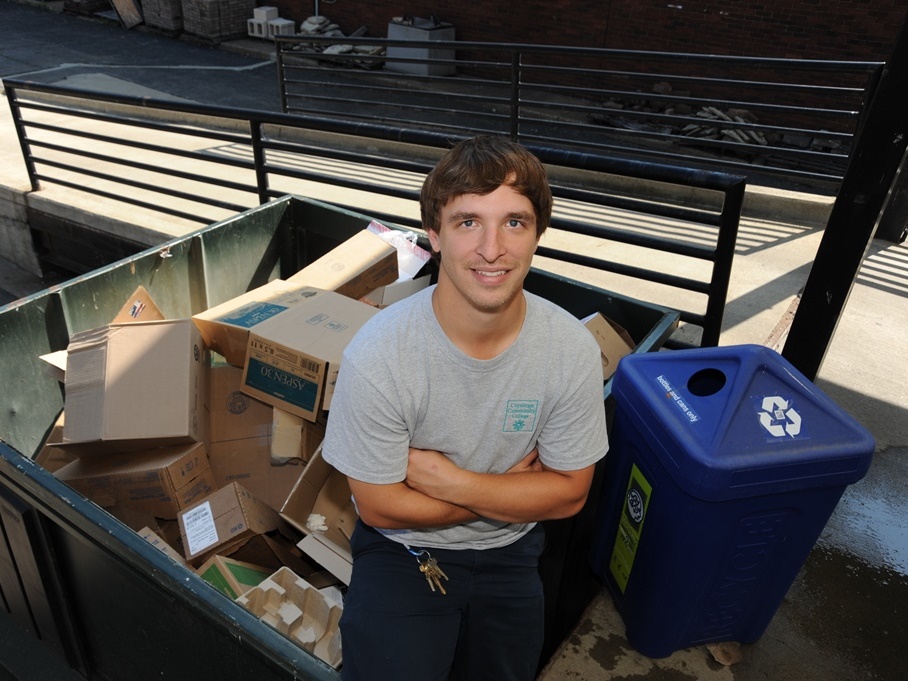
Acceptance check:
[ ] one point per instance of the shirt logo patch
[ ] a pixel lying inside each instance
(520, 416)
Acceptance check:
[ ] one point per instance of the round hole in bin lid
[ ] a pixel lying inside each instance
(706, 382)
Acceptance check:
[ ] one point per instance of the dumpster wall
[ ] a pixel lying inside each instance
(125, 610)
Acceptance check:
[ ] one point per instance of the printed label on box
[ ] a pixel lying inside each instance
(285, 385)
(252, 314)
(201, 531)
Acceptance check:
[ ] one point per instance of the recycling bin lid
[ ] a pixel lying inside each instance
(739, 421)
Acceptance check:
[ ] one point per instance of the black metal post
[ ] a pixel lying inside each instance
(515, 95)
(877, 155)
(23, 138)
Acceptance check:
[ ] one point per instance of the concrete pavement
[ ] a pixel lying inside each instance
(847, 612)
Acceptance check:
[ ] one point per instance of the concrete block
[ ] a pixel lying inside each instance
(257, 28)
(265, 14)
(281, 27)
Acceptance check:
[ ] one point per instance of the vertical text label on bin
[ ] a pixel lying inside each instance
(630, 527)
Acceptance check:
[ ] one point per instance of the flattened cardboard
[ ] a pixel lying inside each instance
(160, 482)
(355, 267)
(232, 577)
(293, 358)
(323, 491)
(50, 456)
(225, 327)
(248, 462)
(614, 342)
(143, 382)
(54, 365)
(222, 521)
(293, 439)
(152, 538)
(275, 550)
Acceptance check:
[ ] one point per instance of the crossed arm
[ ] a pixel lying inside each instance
(437, 493)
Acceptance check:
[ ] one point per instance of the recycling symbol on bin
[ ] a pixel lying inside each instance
(779, 418)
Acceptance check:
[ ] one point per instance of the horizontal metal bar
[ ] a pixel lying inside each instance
(134, 202)
(169, 170)
(626, 270)
(157, 189)
(133, 144)
(820, 64)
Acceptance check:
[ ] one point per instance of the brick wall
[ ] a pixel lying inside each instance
(806, 29)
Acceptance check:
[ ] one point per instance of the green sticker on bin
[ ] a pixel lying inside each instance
(630, 527)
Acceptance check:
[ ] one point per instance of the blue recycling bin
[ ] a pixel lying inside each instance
(725, 466)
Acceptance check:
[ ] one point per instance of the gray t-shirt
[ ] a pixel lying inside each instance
(403, 383)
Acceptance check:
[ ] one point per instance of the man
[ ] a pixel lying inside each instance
(462, 416)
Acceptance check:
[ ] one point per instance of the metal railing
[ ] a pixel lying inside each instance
(199, 164)
(767, 119)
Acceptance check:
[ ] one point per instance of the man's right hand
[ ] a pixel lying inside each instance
(528, 464)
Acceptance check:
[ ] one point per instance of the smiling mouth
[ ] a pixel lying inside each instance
(490, 275)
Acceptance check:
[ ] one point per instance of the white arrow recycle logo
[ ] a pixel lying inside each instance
(776, 409)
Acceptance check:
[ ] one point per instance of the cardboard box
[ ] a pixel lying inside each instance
(293, 358)
(144, 382)
(354, 268)
(232, 577)
(225, 327)
(301, 612)
(392, 293)
(222, 521)
(234, 415)
(321, 507)
(614, 342)
(152, 538)
(139, 307)
(160, 482)
(248, 462)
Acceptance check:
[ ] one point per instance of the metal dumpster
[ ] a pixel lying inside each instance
(112, 606)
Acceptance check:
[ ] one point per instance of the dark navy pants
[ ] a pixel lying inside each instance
(488, 626)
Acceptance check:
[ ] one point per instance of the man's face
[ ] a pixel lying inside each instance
(486, 244)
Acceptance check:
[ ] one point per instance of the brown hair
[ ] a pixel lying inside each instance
(480, 165)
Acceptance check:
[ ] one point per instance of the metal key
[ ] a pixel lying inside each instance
(433, 574)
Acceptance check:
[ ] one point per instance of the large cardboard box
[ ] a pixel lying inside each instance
(139, 307)
(226, 327)
(222, 521)
(144, 382)
(354, 268)
(293, 358)
(321, 507)
(160, 482)
(234, 415)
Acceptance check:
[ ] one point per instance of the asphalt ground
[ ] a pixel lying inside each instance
(846, 615)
